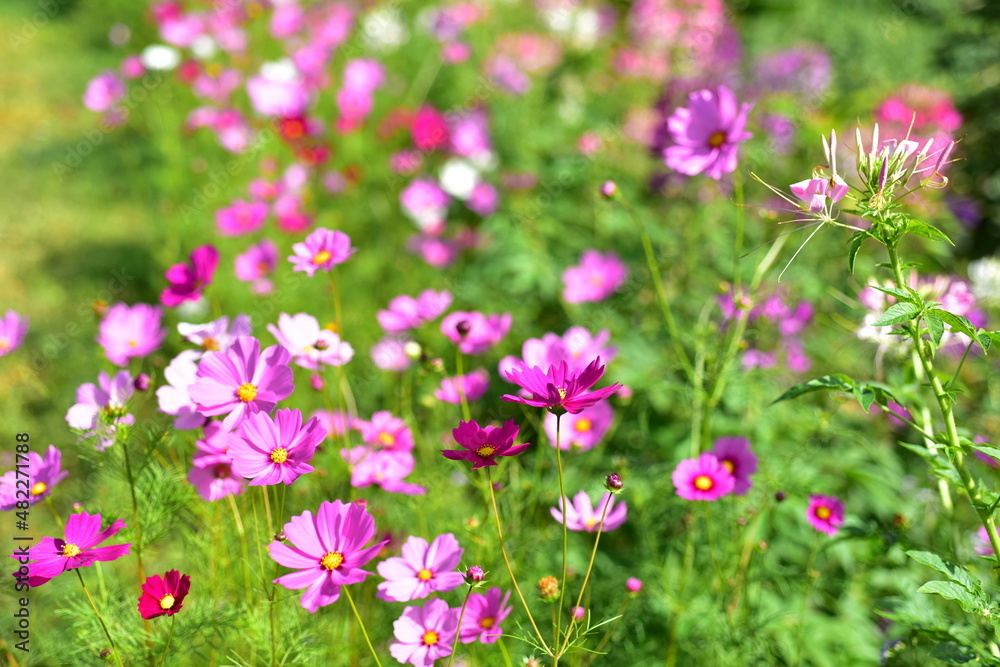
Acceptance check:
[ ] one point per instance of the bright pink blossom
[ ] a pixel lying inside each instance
(429, 129)
(327, 550)
(707, 133)
(471, 385)
(13, 328)
(215, 336)
(104, 91)
(424, 634)
(582, 515)
(311, 346)
(41, 473)
(127, 332)
(240, 218)
(825, 513)
(323, 249)
(189, 280)
(267, 451)
(559, 389)
(577, 347)
(422, 570)
(474, 332)
(735, 455)
(703, 478)
(598, 276)
(482, 446)
(163, 596)
(100, 408)
(406, 312)
(384, 431)
(483, 616)
(212, 472)
(53, 556)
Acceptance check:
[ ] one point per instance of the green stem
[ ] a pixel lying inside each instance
(586, 577)
(805, 596)
(347, 594)
(138, 533)
(48, 501)
(114, 649)
(466, 415)
(458, 630)
(506, 560)
(565, 541)
(740, 224)
(173, 619)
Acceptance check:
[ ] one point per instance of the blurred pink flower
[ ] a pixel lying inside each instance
(472, 385)
(258, 262)
(596, 278)
(581, 514)
(104, 91)
(429, 129)
(389, 354)
(322, 250)
(582, 431)
(13, 328)
(825, 513)
(189, 280)
(406, 312)
(703, 478)
(173, 397)
(483, 616)
(217, 335)
(425, 634)
(310, 346)
(735, 455)
(707, 133)
(474, 332)
(127, 332)
(42, 473)
(240, 218)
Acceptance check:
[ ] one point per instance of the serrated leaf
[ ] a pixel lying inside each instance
(838, 382)
(935, 326)
(951, 591)
(896, 313)
(954, 572)
(927, 231)
(957, 323)
(985, 449)
(924, 453)
(952, 653)
(856, 242)
(900, 293)
(985, 340)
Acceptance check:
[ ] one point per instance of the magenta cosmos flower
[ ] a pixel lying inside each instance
(472, 385)
(582, 431)
(735, 455)
(189, 280)
(242, 381)
(483, 616)
(424, 634)
(323, 249)
(53, 556)
(212, 474)
(703, 478)
(42, 475)
(310, 345)
(328, 551)
(484, 445)
(595, 278)
(581, 514)
(13, 327)
(267, 451)
(241, 218)
(100, 408)
(127, 332)
(825, 513)
(559, 389)
(164, 596)
(423, 569)
(474, 333)
(707, 133)
(384, 431)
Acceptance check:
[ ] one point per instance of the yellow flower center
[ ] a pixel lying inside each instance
(823, 512)
(331, 560)
(591, 522)
(486, 451)
(133, 343)
(167, 602)
(322, 257)
(583, 425)
(39, 488)
(562, 392)
(279, 455)
(70, 550)
(4, 344)
(386, 439)
(728, 465)
(246, 392)
(703, 482)
(424, 574)
(717, 139)
(430, 638)
(487, 622)
(209, 344)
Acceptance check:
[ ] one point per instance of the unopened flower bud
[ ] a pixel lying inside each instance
(100, 307)
(633, 585)
(578, 613)
(141, 382)
(280, 536)
(474, 575)
(463, 327)
(779, 496)
(609, 189)
(436, 364)
(548, 588)
(316, 382)
(613, 483)
(413, 349)
(362, 503)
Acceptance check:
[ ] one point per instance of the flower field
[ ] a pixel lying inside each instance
(499, 332)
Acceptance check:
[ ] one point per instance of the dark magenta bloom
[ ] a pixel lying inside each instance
(484, 445)
(560, 390)
(164, 596)
(188, 281)
(53, 556)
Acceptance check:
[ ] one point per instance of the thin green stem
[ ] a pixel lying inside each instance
(114, 649)
(590, 568)
(138, 532)
(173, 620)
(611, 626)
(48, 501)
(347, 594)
(503, 652)
(458, 629)
(506, 560)
(459, 384)
(740, 224)
(565, 540)
(805, 596)
(961, 363)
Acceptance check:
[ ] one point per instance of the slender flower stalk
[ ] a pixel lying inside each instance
(565, 542)
(114, 649)
(805, 597)
(361, 624)
(461, 616)
(169, 637)
(590, 568)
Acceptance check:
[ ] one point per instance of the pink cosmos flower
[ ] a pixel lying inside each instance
(597, 277)
(633, 585)
(484, 445)
(707, 133)
(267, 451)
(188, 281)
(322, 249)
(470, 136)
(327, 550)
(425, 203)
(310, 345)
(559, 389)
(242, 381)
(100, 409)
(42, 474)
(53, 556)
(484, 200)
(384, 431)
(385, 468)
(481, 332)
(735, 455)
(581, 514)
(241, 218)
(212, 474)
(127, 332)
(577, 347)
(483, 616)
(472, 385)
(703, 478)
(825, 513)
(816, 191)
(406, 312)
(582, 431)
(104, 91)
(163, 596)
(13, 327)
(335, 422)
(429, 129)
(437, 252)
(278, 93)
(422, 570)
(983, 547)
(424, 634)
(258, 262)
(173, 397)
(215, 336)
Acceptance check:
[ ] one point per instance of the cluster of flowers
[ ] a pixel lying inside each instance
(788, 320)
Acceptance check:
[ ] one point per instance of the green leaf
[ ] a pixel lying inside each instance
(927, 231)
(935, 326)
(838, 382)
(952, 653)
(957, 323)
(903, 294)
(856, 242)
(954, 572)
(985, 340)
(949, 590)
(984, 448)
(898, 312)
